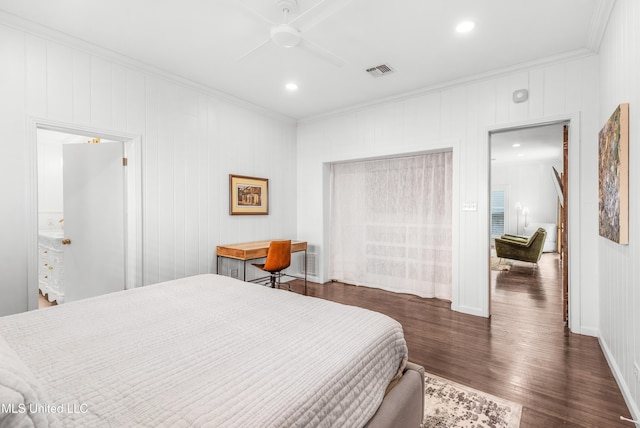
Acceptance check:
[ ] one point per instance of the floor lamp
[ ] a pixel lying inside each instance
(518, 209)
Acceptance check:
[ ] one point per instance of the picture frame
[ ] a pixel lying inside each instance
(613, 177)
(248, 195)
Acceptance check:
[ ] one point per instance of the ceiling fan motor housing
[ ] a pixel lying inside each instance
(285, 35)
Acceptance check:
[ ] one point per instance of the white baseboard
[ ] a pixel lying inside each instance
(622, 384)
(587, 331)
(469, 310)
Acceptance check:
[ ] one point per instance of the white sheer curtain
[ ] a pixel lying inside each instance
(391, 224)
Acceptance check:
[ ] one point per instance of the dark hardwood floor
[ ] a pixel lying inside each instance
(523, 353)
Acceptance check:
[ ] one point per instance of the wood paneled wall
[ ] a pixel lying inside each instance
(191, 140)
(619, 279)
(461, 116)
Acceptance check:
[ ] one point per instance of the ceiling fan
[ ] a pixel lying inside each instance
(289, 33)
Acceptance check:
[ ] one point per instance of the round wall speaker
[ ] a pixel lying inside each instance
(520, 96)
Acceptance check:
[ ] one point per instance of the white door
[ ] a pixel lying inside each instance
(93, 194)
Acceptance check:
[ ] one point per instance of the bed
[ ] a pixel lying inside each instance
(210, 351)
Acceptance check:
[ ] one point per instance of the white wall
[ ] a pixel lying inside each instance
(619, 268)
(191, 141)
(461, 116)
(531, 185)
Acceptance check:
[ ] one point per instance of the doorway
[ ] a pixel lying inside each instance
(86, 212)
(529, 191)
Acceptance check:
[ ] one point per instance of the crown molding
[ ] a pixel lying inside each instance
(530, 65)
(56, 36)
(599, 22)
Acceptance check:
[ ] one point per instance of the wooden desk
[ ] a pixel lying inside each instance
(256, 250)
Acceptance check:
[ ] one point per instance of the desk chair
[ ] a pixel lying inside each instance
(278, 259)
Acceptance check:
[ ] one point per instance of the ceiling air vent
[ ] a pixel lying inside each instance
(380, 70)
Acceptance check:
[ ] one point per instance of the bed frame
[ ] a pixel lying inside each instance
(403, 406)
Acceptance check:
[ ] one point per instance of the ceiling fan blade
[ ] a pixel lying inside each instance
(321, 53)
(256, 49)
(318, 13)
(251, 11)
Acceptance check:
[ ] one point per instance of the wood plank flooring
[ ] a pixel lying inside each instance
(523, 353)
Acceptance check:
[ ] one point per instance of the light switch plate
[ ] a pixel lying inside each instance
(469, 206)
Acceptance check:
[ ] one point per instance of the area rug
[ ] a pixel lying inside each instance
(449, 404)
(498, 263)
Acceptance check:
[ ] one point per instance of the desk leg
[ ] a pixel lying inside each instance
(305, 271)
(218, 264)
(244, 275)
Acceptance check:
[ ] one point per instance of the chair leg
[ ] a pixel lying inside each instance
(502, 259)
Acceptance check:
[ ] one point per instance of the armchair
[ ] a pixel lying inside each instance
(523, 248)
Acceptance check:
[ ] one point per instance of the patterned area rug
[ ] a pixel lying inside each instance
(449, 404)
(500, 264)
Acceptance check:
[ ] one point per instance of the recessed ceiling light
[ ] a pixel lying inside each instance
(465, 26)
(516, 145)
(291, 86)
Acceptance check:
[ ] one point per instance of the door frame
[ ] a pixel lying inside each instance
(573, 200)
(132, 144)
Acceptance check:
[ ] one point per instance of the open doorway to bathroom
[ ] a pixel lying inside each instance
(84, 230)
(60, 186)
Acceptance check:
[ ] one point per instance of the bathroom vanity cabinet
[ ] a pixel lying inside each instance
(51, 265)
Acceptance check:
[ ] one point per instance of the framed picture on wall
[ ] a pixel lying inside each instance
(248, 195)
(613, 177)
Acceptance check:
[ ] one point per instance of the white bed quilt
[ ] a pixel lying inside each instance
(209, 351)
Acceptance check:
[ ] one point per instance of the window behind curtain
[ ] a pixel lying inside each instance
(391, 224)
(497, 212)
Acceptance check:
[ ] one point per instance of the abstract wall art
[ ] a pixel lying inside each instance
(613, 176)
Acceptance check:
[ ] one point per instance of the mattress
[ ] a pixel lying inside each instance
(206, 350)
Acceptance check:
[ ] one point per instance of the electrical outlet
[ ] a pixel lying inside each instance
(234, 273)
(636, 371)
